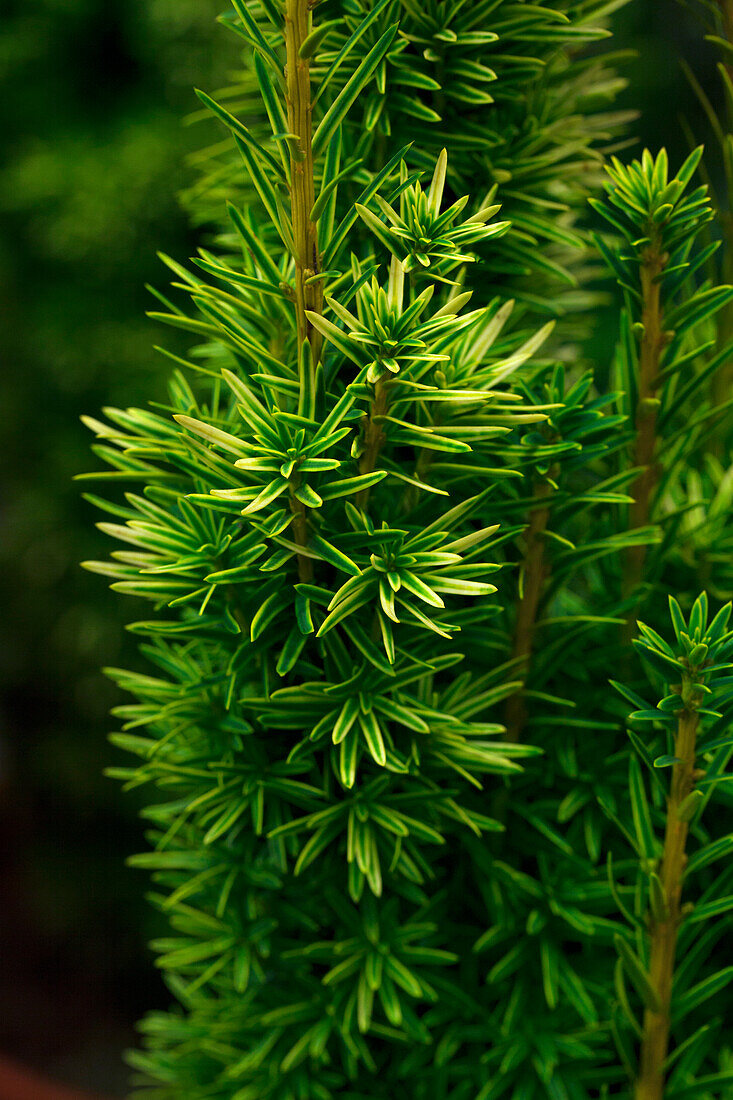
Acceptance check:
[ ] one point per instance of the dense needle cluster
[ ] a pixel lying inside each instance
(395, 534)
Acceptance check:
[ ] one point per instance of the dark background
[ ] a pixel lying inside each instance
(94, 155)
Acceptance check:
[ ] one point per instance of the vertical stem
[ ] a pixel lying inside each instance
(535, 571)
(653, 342)
(308, 295)
(374, 438)
(534, 575)
(655, 1036)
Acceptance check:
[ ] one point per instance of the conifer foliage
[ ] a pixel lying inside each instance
(679, 905)
(388, 785)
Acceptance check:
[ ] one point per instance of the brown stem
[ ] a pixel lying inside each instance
(374, 438)
(299, 527)
(653, 342)
(534, 575)
(535, 571)
(655, 1035)
(308, 295)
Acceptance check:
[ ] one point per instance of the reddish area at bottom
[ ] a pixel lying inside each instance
(18, 1083)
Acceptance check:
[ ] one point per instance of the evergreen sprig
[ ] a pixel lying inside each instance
(501, 87)
(664, 363)
(681, 899)
(383, 788)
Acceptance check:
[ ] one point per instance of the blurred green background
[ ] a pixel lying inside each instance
(94, 154)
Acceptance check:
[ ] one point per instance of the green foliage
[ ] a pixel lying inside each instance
(693, 675)
(666, 359)
(703, 491)
(384, 791)
(501, 88)
(658, 215)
